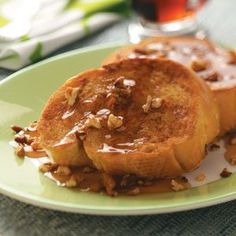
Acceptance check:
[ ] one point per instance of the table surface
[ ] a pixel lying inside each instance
(17, 218)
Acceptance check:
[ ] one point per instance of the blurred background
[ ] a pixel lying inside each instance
(33, 30)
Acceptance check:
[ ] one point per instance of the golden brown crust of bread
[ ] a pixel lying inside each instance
(164, 141)
(220, 72)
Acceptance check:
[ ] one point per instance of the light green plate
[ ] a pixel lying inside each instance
(22, 97)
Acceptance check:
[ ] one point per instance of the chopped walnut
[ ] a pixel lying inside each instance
(109, 184)
(225, 173)
(71, 95)
(92, 121)
(46, 167)
(176, 186)
(114, 122)
(71, 182)
(20, 151)
(63, 170)
(16, 128)
(201, 177)
(198, 65)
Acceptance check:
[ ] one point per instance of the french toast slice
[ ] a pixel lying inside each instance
(215, 65)
(138, 116)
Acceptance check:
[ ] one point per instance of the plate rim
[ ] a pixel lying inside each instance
(32, 199)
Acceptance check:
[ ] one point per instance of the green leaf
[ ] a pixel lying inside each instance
(36, 55)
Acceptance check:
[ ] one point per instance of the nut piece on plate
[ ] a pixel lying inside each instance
(177, 186)
(16, 128)
(201, 177)
(232, 57)
(198, 65)
(46, 167)
(71, 182)
(225, 173)
(20, 151)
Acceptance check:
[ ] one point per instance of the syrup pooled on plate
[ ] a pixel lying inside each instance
(88, 178)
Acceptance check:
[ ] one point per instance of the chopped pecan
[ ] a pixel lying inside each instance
(176, 186)
(109, 184)
(198, 65)
(92, 121)
(46, 167)
(147, 105)
(20, 151)
(114, 122)
(145, 51)
(213, 77)
(225, 173)
(16, 128)
(213, 147)
(63, 170)
(20, 138)
(156, 102)
(134, 191)
(152, 103)
(201, 177)
(71, 182)
(232, 140)
(232, 57)
(71, 95)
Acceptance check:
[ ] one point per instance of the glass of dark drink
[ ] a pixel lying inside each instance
(164, 17)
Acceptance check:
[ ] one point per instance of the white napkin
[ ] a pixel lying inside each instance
(29, 30)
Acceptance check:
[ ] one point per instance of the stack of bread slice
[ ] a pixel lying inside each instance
(214, 64)
(150, 110)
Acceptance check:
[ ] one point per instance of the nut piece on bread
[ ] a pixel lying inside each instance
(216, 66)
(164, 141)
